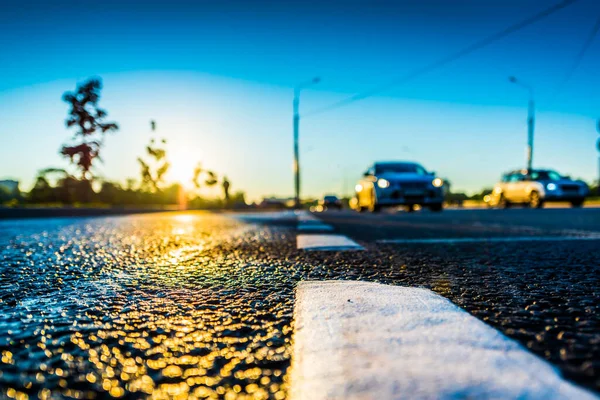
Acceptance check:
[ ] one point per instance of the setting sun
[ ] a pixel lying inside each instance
(182, 168)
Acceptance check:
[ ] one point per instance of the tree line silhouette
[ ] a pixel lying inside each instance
(83, 151)
(88, 121)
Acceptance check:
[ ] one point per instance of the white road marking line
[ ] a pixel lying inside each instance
(306, 216)
(263, 215)
(315, 227)
(360, 340)
(309, 223)
(579, 232)
(326, 242)
(490, 239)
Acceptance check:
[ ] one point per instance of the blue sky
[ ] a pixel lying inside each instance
(218, 77)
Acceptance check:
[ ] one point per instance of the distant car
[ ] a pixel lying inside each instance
(331, 202)
(275, 203)
(399, 183)
(536, 187)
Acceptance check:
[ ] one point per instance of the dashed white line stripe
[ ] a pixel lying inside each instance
(358, 340)
(315, 227)
(491, 239)
(309, 223)
(304, 216)
(326, 242)
(263, 215)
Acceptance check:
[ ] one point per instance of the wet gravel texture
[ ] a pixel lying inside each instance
(199, 305)
(169, 305)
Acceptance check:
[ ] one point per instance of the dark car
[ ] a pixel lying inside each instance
(399, 183)
(331, 202)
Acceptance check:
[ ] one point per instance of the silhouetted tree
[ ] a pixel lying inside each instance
(482, 194)
(155, 167)
(111, 193)
(10, 194)
(5, 194)
(88, 119)
(238, 199)
(203, 177)
(225, 185)
(595, 189)
(43, 191)
(130, 184)
(172, 194)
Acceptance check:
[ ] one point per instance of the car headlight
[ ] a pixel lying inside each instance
(551, 186)
(358, 187)
(437, 182)
(383, 183)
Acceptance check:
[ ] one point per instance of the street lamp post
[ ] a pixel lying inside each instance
(530, 120)
(598, 148)
(297, 90)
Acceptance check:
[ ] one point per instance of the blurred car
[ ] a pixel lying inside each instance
(536, 187)
(273, 203)
(399, 183)
(331, 202)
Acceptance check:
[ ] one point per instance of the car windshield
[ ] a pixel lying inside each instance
(545, 176)
(400, 168)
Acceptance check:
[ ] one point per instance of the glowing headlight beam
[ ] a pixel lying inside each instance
(383, 183)
(437, 182)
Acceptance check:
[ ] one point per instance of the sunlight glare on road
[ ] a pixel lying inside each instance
(184, 217)
(155, 305)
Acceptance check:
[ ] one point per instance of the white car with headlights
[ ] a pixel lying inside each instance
(399, 184)
(536, 187)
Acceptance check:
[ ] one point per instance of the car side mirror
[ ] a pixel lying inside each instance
(366, 174)
(432, 173)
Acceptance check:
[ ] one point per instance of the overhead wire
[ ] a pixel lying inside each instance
(448, 59)
(580, 55)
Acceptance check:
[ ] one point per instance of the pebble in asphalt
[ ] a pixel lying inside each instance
(200, 305)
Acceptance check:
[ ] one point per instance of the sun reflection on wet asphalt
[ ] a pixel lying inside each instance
(169, 305)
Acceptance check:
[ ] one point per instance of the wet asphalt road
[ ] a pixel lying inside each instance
(200, 305)
(173, 305)
(543, 293)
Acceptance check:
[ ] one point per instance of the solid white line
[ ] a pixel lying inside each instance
(491, 239)
(324, 242)
(359, 340)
